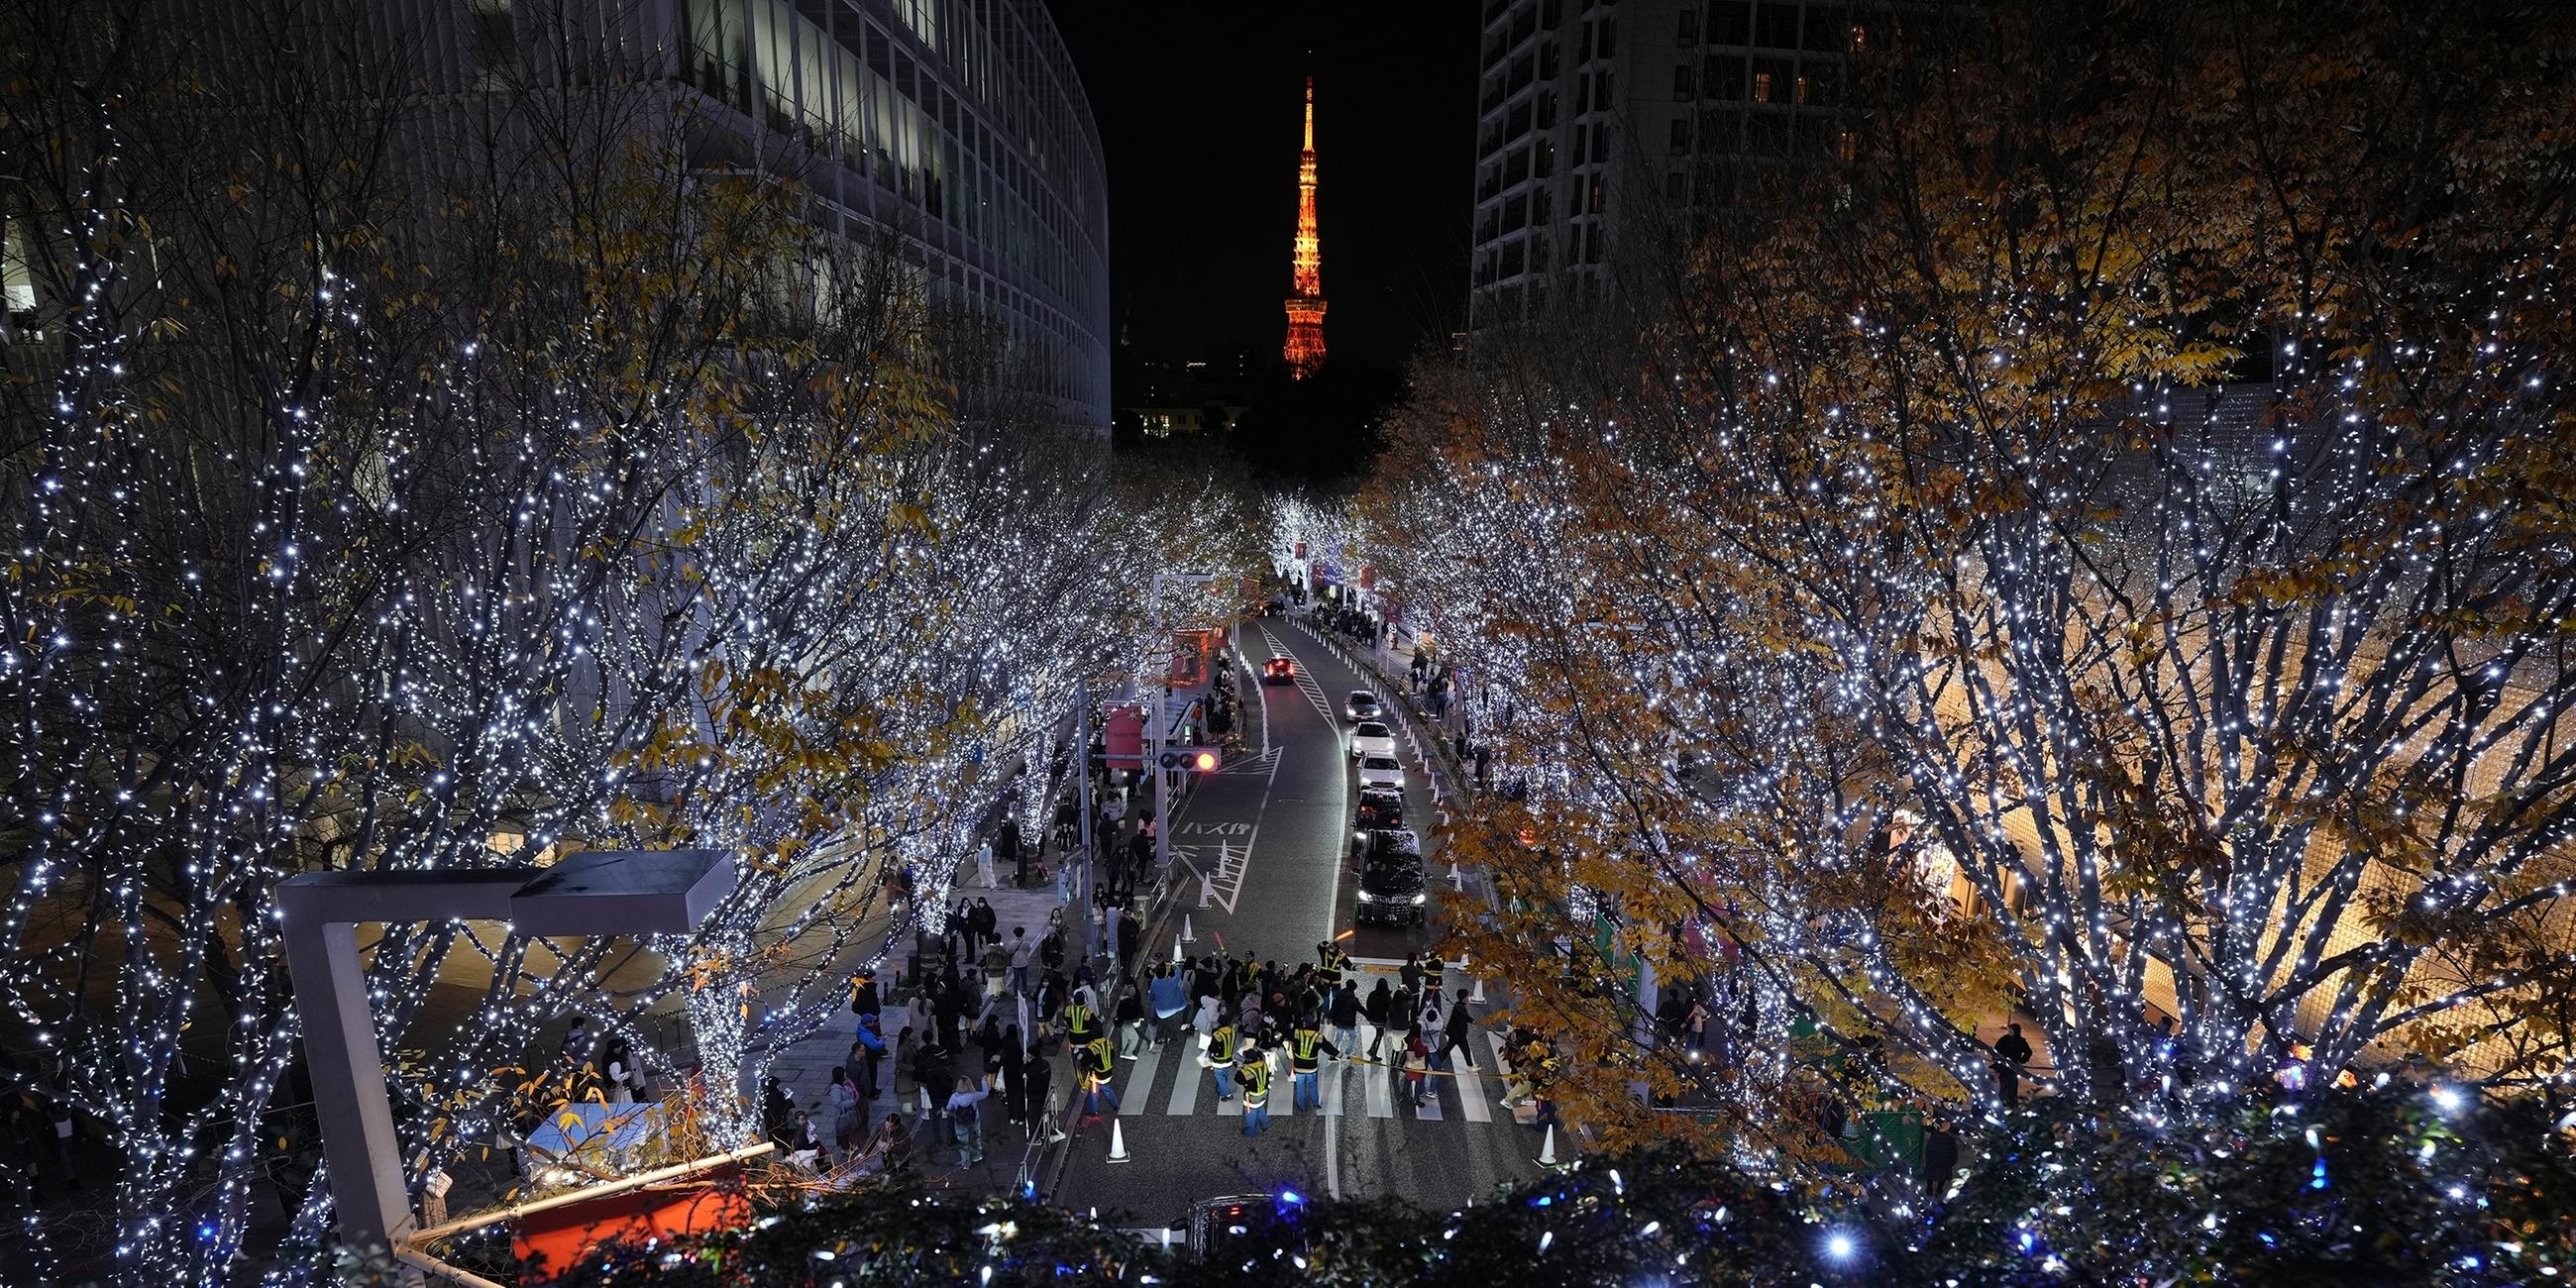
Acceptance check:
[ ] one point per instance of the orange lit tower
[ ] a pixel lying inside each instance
(1305, 348)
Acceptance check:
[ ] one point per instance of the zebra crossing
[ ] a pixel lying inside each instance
(1171, 1081)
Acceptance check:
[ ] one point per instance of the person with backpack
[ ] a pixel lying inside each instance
(966, 1117)
(1417, 1066)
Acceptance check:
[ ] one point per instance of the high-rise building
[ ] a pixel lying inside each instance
(1304, 350)
(1606, 125)
(957, 126)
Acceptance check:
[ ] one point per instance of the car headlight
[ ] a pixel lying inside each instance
(1417, 898)
(1366, 897)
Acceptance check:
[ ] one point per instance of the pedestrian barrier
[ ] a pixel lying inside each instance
(1118, 1141)
(1547, 1151)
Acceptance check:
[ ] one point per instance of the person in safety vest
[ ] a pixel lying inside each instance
(1306, 1051)
(1081, 1022)
(1330, 962)
(1096, 1063)
(1220, 1057)
(1256, 1091)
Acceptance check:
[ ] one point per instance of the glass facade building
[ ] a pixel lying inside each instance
(958, 124)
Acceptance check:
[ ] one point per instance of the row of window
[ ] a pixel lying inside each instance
(1826, 29)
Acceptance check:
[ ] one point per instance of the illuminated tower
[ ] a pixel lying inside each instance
(1305, 348)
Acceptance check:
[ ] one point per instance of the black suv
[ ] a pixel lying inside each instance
(1392, 886)
(1380, 807)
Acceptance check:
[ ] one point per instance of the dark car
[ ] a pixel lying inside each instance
(1380, 807)
(1279, 670)
(1393, 888)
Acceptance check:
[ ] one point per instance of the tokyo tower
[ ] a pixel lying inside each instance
(1305, 348)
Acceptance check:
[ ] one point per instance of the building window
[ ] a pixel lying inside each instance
(1686, 29)
(1846, 146)
(1801, 90)
(1683, 82)
(1681, 137)
(1674, 182)
(1859, 37)
(1761, 87)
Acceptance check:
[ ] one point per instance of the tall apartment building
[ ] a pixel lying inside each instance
(1605, 124)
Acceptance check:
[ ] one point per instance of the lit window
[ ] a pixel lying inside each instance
(1802, 89)
(1761, 87)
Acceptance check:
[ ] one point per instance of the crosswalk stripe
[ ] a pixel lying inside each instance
(1283, 1097)
(1185, 1084)
(1140, 1081)
(1429, 1110)
(1331, 1083)
(1381, 1098)
(1471, 1085)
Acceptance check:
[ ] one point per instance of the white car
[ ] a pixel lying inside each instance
(1376, 771)
(1369, 738)
(1362, 705)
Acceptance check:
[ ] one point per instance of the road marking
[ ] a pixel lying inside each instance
(1380, 1097)
(1185, 1087)
(1334, 1074)
(1140, 1081)
(1429, 1110)
(1226, 881)
(1471, 1085)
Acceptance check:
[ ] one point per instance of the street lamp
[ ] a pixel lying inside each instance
(631, 892)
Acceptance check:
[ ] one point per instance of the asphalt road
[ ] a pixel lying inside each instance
(1272, 832)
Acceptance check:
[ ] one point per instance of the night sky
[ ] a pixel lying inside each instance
(1199, 106)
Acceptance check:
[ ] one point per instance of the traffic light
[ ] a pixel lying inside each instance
(1202, 759)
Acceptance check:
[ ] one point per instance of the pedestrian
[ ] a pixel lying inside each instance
(1007, 842)
(984, 865)
(777, 1112)
(997, 969)
(966, 1117)
(848, 1108)
(2012, 1051)
(1376, 1011)
(1343, 1013)
(1940, 1159)
(1306, 1049)
(892, 1148)
(1219, 1057)
(1454, 1035)
(625, 1079)
(1256, 1092)
(867, 1055)
(865, 1001)
(1024, 952)
(1168, 1002)
(1432, 970)
(1097, 1065)
(1081, 1022)
(1131, 1021)
(1130, 934)
(988, 923)
(1417, 1066)
(1410, 974)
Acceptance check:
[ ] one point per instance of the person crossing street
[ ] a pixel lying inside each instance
(1306, 1050)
